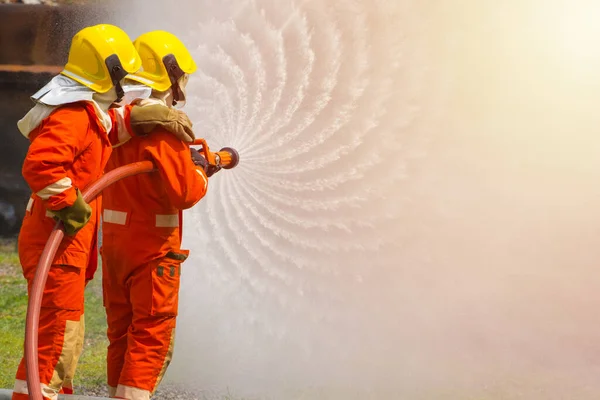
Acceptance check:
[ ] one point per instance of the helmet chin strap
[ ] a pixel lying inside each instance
(120, 92)
(177, 93)
(117, 73)
(175, 73)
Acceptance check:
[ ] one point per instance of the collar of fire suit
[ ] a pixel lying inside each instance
(40, 111)
(62, 90)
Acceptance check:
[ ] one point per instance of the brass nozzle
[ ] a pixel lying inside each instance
(227, 158)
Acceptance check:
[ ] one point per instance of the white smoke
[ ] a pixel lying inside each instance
(415, 210)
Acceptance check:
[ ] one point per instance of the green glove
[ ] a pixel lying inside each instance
(76, 216)
(145, 118)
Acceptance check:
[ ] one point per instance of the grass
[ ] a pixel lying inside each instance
(91, 371)
(92, 364)
(13, 308)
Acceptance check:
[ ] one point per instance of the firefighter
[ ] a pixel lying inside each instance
(71, 132)
(141, 244)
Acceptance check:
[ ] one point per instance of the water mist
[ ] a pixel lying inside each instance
(414, 214)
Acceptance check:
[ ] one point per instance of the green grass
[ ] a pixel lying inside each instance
(91, 371)
(13, 308)
(92, 364)
(10, 258)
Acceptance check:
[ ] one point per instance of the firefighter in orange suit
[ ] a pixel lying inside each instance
(71, 132)
(141, 244)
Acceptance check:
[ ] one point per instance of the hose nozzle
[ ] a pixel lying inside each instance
(226, 158)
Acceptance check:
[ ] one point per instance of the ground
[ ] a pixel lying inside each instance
(13, 308)
(90, 379)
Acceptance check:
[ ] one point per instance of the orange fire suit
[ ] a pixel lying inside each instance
(142, 257)
(68, 150)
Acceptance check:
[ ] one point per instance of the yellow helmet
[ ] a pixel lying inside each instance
(100, 56)
(165, 59)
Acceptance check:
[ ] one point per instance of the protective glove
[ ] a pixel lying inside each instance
(74, 217)
(144, 118)
(198, 159)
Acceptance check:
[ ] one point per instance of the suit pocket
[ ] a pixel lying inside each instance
(166, 278)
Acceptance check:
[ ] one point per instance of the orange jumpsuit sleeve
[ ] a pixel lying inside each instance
(53, 148)
(185, 183)
(121, 128)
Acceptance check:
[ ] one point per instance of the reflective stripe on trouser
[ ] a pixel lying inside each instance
(20, 391)
(60, 334)
(160, 220)
(132, 393)
(141, 315)
(139, 378)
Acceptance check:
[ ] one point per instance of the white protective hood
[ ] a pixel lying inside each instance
(62, 90)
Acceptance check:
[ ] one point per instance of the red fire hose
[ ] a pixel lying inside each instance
(41, 274)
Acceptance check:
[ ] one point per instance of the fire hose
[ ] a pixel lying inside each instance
(226, 158)
(41, 274)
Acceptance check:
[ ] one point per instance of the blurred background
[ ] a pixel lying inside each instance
(34, 43)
